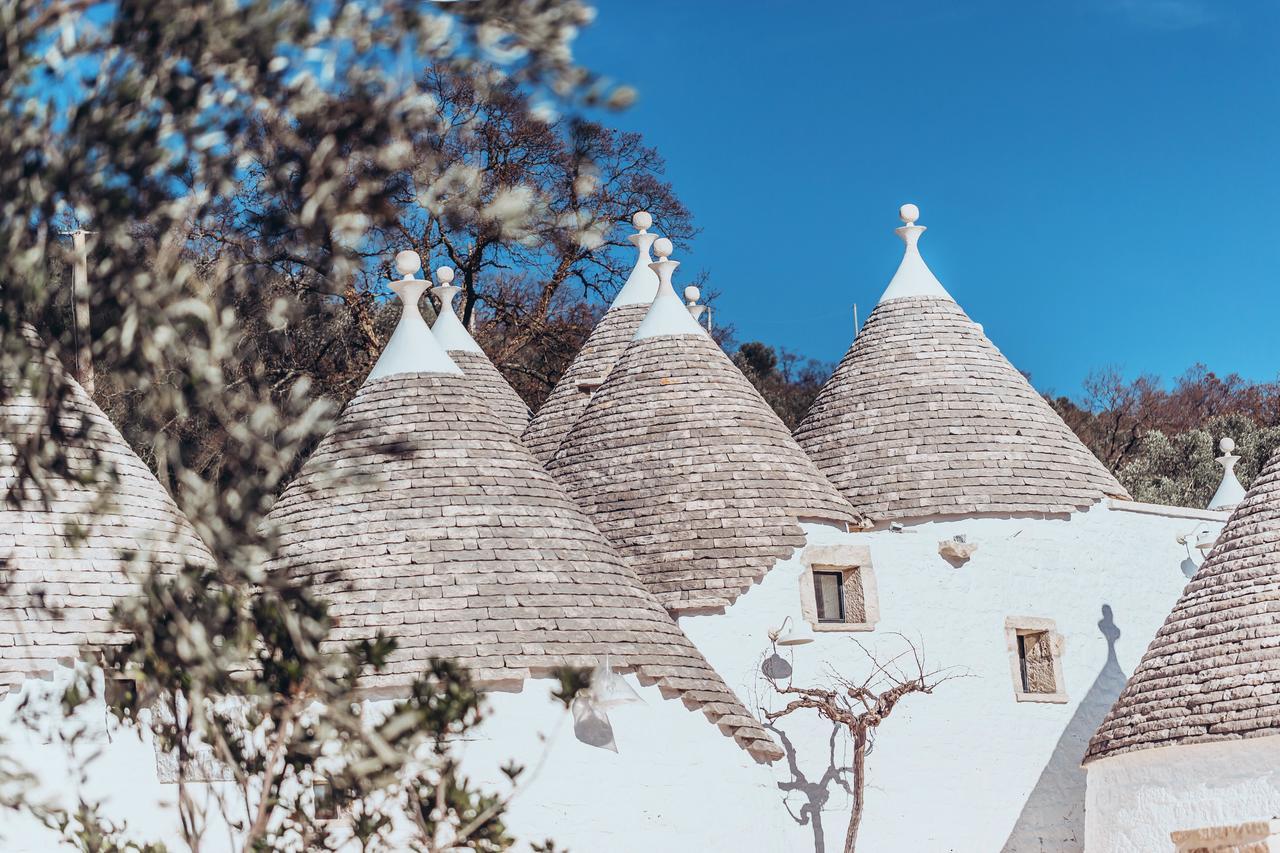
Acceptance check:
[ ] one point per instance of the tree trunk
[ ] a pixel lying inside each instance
(859, 780)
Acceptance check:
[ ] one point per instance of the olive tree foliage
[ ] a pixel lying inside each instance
(529, 206)
(1182, 469)
(141, 120)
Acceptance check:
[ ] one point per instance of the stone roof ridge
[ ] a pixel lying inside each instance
(412, 348)
(642, 284)
(925, 417)
(1210, 673)
(442, 530)
(667, 315)
(913, 278)
(81, 543)
(681, 462)
(448, 328)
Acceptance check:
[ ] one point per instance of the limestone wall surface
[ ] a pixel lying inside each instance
(1139, 800)
(674, 776)
(971, 767)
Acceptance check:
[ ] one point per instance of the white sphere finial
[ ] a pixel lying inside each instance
(662, 248)
(909, 213)
(408, 262)
(444, 275)
(692, 294)
(642, 220)
(1227, 445)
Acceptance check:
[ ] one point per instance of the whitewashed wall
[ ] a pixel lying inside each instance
(674, 776)
(1137, 798)
(968, 768)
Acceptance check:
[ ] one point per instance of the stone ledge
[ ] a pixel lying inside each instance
(1168, 511)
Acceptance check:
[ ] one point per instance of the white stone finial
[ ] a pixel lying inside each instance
(412, 348)
(667, 315)
(691, 296)
(1230, 491)
(408, 262)
(913, 278)
(642, 284)
(448, 328)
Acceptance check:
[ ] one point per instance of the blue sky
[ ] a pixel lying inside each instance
(1100, 178)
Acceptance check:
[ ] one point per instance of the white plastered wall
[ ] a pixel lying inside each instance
(1136, 799)
(968, 768)
(673, 770)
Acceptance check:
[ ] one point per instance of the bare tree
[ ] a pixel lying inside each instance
(860, 707)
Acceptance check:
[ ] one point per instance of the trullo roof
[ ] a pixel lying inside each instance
(600, 353)
(67, 555)
(420, 515)
(1213, 671)
(485, 378)
(685, 467)
(924, 416)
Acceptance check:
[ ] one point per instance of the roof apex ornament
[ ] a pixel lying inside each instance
(691, 296)
(1230, 492)
(448, 328)
(412, 348)
(667, 315)
(642, 284)
(913, 278)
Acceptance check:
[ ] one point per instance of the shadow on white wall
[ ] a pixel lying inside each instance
(1052, 818)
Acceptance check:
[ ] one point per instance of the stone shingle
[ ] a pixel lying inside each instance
(1211, 672)
(925, 416)
(688, 471)
(66, 557)
(422, 516)
(591, 365)
(493, 388)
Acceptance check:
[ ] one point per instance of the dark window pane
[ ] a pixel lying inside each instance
(828, 588)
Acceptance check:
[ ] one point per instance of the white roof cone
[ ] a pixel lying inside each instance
(913, 278)
(642, 284)
(691, 296)
(667, 315)
(449, 331)
(412, 348)
(1230, 492)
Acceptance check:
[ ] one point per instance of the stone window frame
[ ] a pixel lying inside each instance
(846, 559)
(1015, 625)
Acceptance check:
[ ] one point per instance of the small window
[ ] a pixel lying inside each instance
(322, 801)
(1035, 657)
(1035, 662)
(839, 596)
(828, 590)
(838, 588)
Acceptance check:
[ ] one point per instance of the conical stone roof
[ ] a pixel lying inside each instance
(924, 416)
(485, 378)
(70, 554)
(687, 470)
(421, 516)
(1213, 670)
(600, 353)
